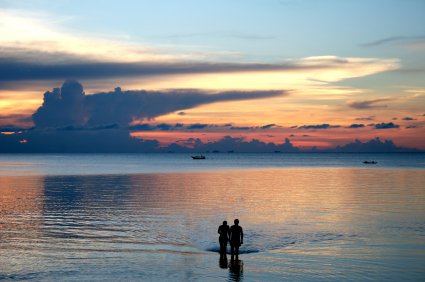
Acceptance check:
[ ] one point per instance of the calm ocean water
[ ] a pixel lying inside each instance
(154, 217)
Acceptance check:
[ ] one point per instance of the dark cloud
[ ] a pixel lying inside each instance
(368, 104)
(295, 126)
(368, 118)
(182, 114)
(305, 135)
(120, 141)
(197, 126)
(355, 125)
(229, 124)
(409, 118)
(242, 128)
(75, 141)
(141, 127)
(384, 125)
(32, 65)
(319, 126)
(164, 126)
(70, 106)
(374, 145)
(267, 126)
(413, 126)
(292, 135)
(11, 128)
(238, 144)
(392, 39)
(179, 125)
(394, 118)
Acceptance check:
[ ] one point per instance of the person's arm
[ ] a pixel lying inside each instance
(241, 235)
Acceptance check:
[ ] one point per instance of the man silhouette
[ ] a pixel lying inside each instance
(223, 230)
(236, 237)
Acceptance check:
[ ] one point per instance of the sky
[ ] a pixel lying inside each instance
(130, 76)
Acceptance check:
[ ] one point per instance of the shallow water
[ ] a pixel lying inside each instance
(300, 223)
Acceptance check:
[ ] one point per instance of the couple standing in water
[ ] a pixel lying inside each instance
(233, 234)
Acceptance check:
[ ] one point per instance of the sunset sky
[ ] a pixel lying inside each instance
(318, 73)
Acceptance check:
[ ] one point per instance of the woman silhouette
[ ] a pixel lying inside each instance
(223, 230)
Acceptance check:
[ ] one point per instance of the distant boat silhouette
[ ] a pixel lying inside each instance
(277, 151)
(372, 162)
(198, 157)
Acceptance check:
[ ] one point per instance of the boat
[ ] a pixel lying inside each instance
(198, 157)
(372, 162)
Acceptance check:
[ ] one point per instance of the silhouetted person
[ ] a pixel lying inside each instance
(223, 230)
(236, 237)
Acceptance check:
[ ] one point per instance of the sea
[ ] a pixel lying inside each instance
(154, 217)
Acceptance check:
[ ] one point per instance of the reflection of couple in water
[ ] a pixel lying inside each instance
(234, 235)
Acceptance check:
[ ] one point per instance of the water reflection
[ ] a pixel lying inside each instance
(145, 223)
(235, 269)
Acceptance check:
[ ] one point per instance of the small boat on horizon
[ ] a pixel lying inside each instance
(372, 162)
(198, 157)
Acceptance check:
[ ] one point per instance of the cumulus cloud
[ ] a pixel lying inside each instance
(374, 145)
(267, 126)
(197, 126)
(368, 104)
(182, 114)
(319, 126)
(384, 125)
(409, 118)
(355, 125)
(70, 106)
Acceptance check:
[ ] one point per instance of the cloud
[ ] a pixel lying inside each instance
(292, 135)
(368, 118)
(267, 126)
(374, 145)
(305, 135)
(242, 128)
(368, 104)
(182, 114)
(164, 126)
(319, 126)
(35, 65)
(75, 141)
(413, 126)
(385, 125)
(393, 39)
(197, 126)
(238, 144)
(394, 118)
(70, 106)
(295, 126)
(229, 124)
(409, 118)
(355, 125)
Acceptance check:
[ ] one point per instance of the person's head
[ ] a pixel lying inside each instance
(236, 221)
(224, 222)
